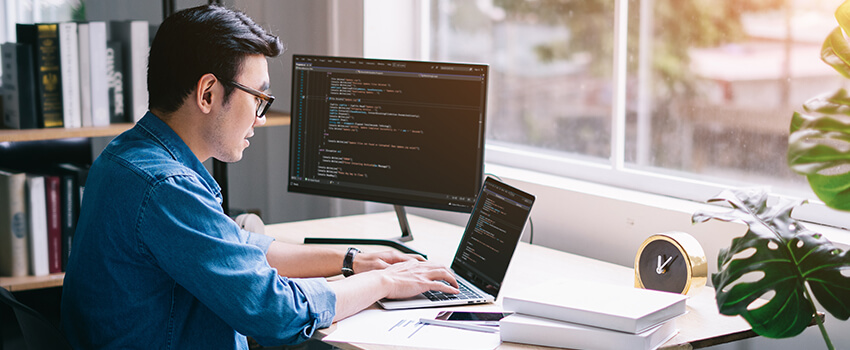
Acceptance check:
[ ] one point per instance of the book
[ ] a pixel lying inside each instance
(69, 62)
(14, 260)
(54, 223)
(39, 264)
(620, 308)
(93, 74)
(44, 39)
(135, 46)
(18, 86)
(72, 182)
(115, 76)
(519, 328)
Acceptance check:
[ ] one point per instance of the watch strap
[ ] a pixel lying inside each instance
(348, 262)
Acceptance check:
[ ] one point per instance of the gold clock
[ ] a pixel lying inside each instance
(671, 262)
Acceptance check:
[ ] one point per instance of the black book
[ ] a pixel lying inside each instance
(115, 76)
(18, 89)
(47, 74)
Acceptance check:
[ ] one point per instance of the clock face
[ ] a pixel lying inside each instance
(662, 267)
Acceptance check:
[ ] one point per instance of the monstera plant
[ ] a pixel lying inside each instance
(770, 275)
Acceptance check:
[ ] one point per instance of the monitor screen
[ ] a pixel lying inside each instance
(400, 132)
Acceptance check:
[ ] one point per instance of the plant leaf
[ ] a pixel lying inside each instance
(786, 256)
(819, 147)
(836, 52)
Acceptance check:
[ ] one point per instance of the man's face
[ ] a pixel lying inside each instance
(236, 121)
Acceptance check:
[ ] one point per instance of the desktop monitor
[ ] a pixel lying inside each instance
(407, 133)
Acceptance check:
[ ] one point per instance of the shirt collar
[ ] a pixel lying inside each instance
(162, 133)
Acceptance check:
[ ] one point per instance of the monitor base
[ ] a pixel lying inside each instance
(397, 243)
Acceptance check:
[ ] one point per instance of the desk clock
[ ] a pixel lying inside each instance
(671, 262)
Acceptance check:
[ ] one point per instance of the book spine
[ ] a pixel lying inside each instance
(37, 214)
(114, 71)
(84, 38)
(9, 59)
(18, 86)
(70, 65)
(14, 260)
(70, 208)
(99, 79)
(134, 36)
(54, 223)
(28, 34)
(49, 75)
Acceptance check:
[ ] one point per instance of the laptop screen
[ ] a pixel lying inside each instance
(492, 234)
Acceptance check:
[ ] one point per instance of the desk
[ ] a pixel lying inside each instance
(702, 326)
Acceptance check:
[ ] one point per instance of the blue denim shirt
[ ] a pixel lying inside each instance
(156, 263)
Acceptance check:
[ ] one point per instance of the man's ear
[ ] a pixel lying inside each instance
(205, 92)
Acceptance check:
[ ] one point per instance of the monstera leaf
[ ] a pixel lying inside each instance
(779, 257)
(819, 144)
(819, 147)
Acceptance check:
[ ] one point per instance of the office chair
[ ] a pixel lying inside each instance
(39, 333)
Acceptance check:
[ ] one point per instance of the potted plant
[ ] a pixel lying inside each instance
(792, 265)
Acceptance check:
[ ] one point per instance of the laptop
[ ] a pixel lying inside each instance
(488, 243)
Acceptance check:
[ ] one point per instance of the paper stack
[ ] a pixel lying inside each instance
(589, 315)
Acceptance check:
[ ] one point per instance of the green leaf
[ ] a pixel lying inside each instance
(819, 147)
(786, 256)
(836, 52)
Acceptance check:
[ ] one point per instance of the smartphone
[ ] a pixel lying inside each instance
(486, 318)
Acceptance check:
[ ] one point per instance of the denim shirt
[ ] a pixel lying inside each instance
(156, 263)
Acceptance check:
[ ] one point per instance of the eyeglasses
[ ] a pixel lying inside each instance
(265, 100)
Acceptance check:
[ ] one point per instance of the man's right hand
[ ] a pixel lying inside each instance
(409, 278)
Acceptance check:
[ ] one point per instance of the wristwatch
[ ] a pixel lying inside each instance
(348, 262)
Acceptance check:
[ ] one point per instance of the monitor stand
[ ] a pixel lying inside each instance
(397, 243)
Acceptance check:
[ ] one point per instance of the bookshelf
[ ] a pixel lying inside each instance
(16, 284)
(273, 119)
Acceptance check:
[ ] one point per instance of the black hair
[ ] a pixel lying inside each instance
(197, 41)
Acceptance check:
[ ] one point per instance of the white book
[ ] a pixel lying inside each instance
(93, 76)
(13, 225)
(37, 215)
(69, 63)
(135, 38)
(620, 308)
(525, 329)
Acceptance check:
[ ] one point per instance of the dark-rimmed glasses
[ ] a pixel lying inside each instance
(265, 99)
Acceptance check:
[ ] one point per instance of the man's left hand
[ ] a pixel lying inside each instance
(380, 260)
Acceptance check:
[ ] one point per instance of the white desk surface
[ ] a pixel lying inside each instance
(702, 326)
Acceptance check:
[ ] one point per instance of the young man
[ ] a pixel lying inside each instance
(157, 264)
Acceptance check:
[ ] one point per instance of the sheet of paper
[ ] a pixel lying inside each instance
(402, 328)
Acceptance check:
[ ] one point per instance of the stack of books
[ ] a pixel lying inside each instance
(74, 74)
(38, 217)
(589, 315)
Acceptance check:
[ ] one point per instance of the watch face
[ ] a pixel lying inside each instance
(662, 267)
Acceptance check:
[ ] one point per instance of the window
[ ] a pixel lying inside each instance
(674, 97)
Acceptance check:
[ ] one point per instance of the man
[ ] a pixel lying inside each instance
(157, 264)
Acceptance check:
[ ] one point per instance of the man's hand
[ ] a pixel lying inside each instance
(400, 280)
(409, 278)
(378, 261)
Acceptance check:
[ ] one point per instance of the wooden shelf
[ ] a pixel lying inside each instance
(273, 119)
(17, 284)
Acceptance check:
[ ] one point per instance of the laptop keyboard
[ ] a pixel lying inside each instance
(465, 293)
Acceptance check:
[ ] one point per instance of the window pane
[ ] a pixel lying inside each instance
(713, 84)
(550, 63)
